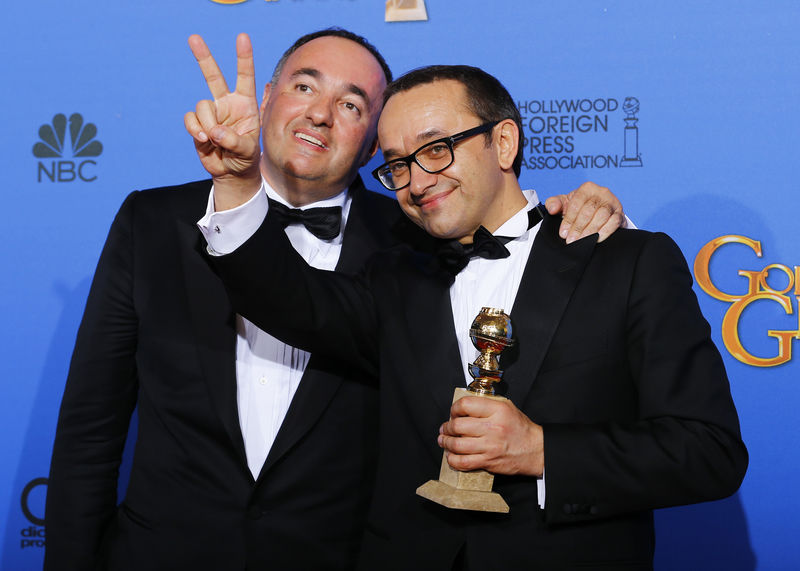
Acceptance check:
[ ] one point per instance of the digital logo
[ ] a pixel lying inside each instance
(32, 502)
(583, 133)
(758, 291)
(53, 145)
(405, 11)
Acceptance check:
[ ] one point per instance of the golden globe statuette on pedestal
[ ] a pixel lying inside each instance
(491, 334)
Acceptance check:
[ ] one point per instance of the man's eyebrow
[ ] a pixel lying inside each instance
(422, 138)
(430, 134)
(389, 154)
(356, 90)
(310, 71)
(317, 74)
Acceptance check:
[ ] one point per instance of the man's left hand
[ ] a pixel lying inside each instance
(587, 209)
(493, 435)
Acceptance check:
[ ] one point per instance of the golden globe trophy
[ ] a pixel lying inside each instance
(491, 334)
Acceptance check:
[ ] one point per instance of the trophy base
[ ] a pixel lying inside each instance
(637, 162)
(405, 11)
(470, 490)
(456, 498)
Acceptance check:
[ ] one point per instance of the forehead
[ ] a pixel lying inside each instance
(427, 111)
(337, 59)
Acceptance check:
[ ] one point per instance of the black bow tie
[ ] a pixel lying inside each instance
(324, 223)
(454, 256)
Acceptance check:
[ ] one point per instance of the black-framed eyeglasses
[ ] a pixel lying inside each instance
(431, 157)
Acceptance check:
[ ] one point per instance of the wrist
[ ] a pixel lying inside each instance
(231, 191)
(535, 463)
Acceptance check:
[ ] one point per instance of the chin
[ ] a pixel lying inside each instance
(442, 233)
(303, 173)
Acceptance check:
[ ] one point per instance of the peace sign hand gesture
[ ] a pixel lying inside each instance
(226, 129)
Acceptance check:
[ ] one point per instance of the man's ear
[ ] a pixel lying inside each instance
(373, 148)
(264, 99)
(506, 143)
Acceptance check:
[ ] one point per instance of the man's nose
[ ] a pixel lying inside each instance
(419, 179)
(320, 111)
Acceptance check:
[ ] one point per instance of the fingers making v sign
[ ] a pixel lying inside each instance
(226, 128)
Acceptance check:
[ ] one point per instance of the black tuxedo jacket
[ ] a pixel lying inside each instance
(613, 358)
(159, 334)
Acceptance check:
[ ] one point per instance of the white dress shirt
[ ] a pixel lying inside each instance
(268, 371)
(493, 283)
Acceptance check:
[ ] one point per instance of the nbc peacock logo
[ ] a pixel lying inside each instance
(53, 145)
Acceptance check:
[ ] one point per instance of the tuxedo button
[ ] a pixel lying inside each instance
(593, 510)
(567, 509)
(263, 380)
(255, 512)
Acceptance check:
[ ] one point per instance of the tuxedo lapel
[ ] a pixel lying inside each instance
(362, 234)
(214, 327)
(315, 391)
(432, 337)
(319, 385)
(551, 275)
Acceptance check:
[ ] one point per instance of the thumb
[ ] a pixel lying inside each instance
(556, 204)
(227, 139)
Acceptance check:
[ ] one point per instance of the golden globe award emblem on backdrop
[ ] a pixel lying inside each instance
(405, 11)
(491, 333)
(632, 156)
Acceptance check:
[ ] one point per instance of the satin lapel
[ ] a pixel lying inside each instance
(552, 273)
(215, 330)
(364, 233)
(431, 335)
(313, 395)
(319, 386)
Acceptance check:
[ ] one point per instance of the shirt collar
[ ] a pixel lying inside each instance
(338, 200)
(517, 225)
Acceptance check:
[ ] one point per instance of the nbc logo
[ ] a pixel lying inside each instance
(82, 144)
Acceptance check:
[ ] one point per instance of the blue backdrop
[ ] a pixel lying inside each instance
(686, 110)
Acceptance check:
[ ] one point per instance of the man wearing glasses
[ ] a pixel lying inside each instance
(431, 157)
(619, 401)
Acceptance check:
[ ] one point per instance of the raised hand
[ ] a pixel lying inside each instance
(226, 129)
(588, 209)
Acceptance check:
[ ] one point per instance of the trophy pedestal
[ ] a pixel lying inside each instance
(405, 11)
(632, 158)
(464, 490)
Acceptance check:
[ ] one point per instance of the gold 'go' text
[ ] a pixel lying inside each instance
(758, 289)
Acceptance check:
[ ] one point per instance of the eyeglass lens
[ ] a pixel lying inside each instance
(433, 158)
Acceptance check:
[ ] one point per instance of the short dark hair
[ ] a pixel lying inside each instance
(487, 98)
(336, 33)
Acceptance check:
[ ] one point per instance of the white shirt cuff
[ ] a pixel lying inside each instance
(540, 490)
(227, 230)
